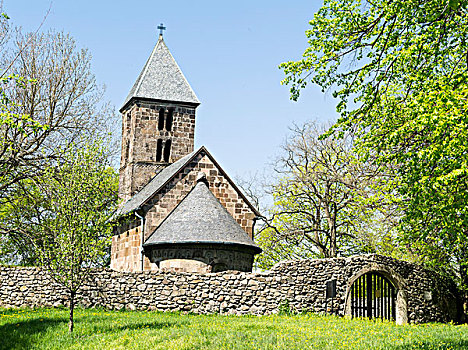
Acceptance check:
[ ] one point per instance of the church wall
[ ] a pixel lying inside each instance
(184, 265)
(125, 173)
(125, 248)
(301, 284)
(214, 257)
(183, 132)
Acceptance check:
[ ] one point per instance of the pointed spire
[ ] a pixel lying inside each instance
(161, 79)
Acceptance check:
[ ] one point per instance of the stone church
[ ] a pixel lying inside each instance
(180, 210)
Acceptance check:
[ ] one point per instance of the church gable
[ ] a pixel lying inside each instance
(162, 202)
(154, 185)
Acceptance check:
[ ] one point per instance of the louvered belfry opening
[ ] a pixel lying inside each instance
(373, 296)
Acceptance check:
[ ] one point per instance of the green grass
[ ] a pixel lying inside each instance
(99, 329)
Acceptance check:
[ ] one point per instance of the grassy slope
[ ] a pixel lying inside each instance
(96, 329)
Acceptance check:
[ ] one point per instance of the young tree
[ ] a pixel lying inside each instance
(322, 198)
(400, 71)
(65, 215)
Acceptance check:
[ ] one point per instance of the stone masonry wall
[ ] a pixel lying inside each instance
(140, 135)
(125, 248)
(428, 297)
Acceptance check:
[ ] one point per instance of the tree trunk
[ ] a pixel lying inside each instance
(72, 306)
(464, 291)
(333, 245)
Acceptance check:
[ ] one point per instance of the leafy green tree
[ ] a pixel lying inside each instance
(65, 215)
(399, 69)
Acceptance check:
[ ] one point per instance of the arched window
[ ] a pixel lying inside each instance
(167, 150)
(159, 150)
(169, 119)
(161, 119)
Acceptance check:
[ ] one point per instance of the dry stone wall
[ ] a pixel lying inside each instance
(426, 297)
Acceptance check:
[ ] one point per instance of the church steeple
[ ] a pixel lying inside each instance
(158, 120)
(162, 80)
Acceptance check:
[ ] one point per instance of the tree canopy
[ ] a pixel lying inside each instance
(50, 101)
(399, 70)
(323, 201)
(50, 98)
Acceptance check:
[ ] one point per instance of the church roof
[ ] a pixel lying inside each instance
(200, 218)
(162, 79)
(166, 175)
(154, 185)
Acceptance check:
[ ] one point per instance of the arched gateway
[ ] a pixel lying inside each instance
(377, 292)
(373, 296)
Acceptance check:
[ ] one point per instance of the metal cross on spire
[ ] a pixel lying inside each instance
(161, 28)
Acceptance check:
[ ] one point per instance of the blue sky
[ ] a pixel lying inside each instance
(229, 52)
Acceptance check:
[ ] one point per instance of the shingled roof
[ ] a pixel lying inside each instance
(161, 79)
(200, 218)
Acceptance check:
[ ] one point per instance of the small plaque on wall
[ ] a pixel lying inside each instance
(331, 289)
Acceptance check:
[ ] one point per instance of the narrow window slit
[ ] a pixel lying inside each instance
(167, 150)
(161, 119)
(159, 150)
(127, 150)
(169, 119)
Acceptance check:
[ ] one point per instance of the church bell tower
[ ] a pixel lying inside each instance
(158, 121)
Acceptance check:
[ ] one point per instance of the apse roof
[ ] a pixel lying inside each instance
(200, 218)
(162, 79)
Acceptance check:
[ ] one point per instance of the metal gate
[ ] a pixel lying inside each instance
(373, 296)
